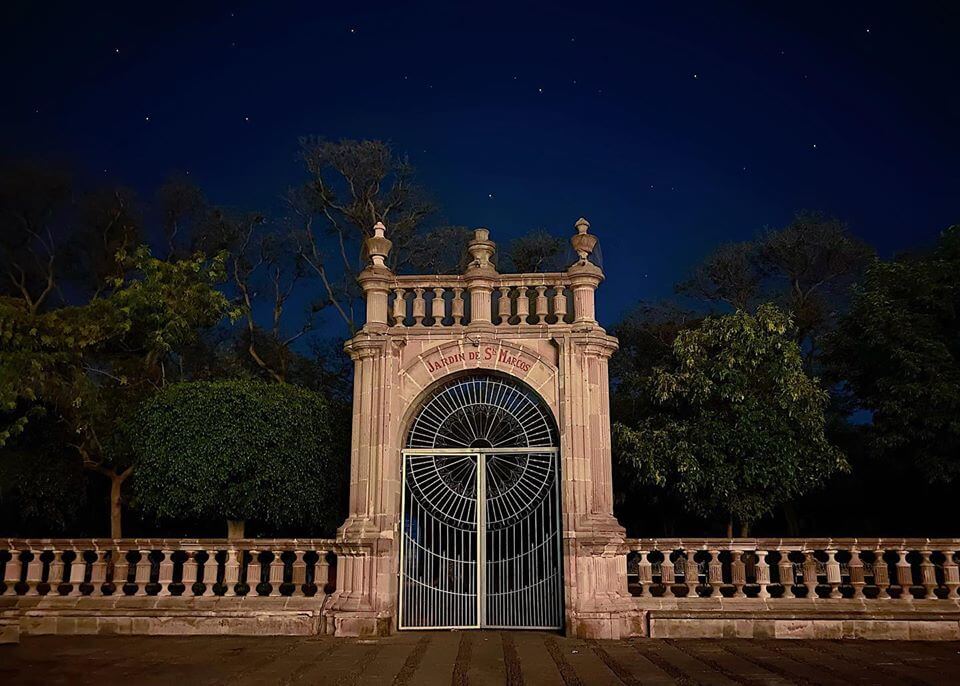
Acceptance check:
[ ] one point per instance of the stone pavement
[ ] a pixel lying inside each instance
(476, 658)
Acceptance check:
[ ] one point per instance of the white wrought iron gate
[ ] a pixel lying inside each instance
(480, 514)
(481, 540)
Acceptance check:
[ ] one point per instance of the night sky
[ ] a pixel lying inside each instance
(671, 126)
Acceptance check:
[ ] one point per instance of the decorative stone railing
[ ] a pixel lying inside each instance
(863, 569)
(518, 299)
(481, 297)
(166, 567)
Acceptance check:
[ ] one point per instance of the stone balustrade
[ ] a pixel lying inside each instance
(862, 569)
(514, 300)
(167, 567)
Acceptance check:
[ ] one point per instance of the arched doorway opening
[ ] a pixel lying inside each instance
(480, 543)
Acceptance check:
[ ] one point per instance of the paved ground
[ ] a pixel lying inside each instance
(474, 658)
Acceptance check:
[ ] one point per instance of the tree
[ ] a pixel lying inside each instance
(738, 426)
(898, 351)
(806, 267)
(239, 450)
(32, 200)
(89, 363)
(42, 487)
(729, 275)
(352, 186)
(646, 335)
(537, 251)
(442, 250)
(265, 269)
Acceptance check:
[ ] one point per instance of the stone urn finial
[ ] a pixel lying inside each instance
(481, 249)
(583, 242)
(378, 245)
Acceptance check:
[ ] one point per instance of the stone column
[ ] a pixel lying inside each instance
(598, 603)
(364, 602)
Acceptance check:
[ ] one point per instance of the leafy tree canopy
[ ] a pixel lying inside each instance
(738, 426)
(898, 349)
(238, 450)
(87, 364)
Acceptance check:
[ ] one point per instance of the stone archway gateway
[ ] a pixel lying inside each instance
(480, 511)
(480, 481)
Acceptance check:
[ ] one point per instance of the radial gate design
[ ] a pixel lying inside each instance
(481, 510)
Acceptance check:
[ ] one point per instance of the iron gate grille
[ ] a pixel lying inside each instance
(463, 565)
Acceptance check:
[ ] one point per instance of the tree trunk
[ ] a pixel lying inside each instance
(730, 527)
(116, 506)
(744, 529)
(235, 529)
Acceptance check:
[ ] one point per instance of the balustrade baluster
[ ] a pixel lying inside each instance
(691, 574)
(277, 568)
(928, 576)
(785, 567)
(55, 572)
(78, 572)
(904, 575)
(456, 306)
(208, 571)
(438, 307)
(715, 573)
(810, 573)
(857, 578)
(321, 575)
(419, 307)
(399, 307)
(165, 575)
(542, 308)
(523, 304)
(951, 574)
(255, 570)
(34, 573)
(190, 572)
(11, 574)
(668, 575)
(763, 574)
(503, 306)
(231, 571)
(144, 571)
(644, 572)
(881, 575)
(98, 571)
(298, 573)
(833, 574)
(738, 574)
(560, 304)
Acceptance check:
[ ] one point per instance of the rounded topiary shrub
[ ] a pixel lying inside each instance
(239, 450)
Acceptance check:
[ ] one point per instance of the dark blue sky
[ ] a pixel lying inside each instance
(671, 126)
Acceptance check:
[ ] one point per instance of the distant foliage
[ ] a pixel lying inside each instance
(239, 450)
(899, 351)
(537, 251)
(806, 267)
(736, 426)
